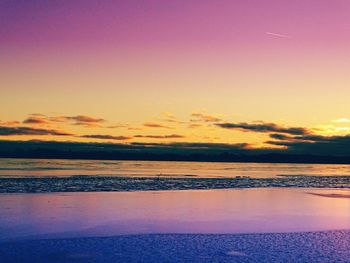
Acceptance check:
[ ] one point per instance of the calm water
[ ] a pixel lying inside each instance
(43, 167)
(201, 211)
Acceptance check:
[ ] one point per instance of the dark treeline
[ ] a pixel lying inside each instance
(97, 151)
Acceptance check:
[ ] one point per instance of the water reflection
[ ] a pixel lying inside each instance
(35, 167)
(196, 211)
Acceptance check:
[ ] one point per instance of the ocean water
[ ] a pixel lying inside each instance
(65, 168)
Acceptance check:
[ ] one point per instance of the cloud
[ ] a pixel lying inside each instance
(277, 35)
(106, 137)
(316, 145)
(278, 136)
(36, 120)
(83, 120)
(170, 117)
(205, 117)
(9, 131)
(10, 123)
(196, 146)
(195, 125)
(86, 121)
(58, 119)
(156, 125)
(313, 144)
(37, 114)
(118, 126)
(341, 120)
(171, 136)
(264, 128)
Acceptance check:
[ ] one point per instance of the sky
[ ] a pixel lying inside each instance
(258, 73)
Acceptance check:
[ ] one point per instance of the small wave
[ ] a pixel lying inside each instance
(332, 195)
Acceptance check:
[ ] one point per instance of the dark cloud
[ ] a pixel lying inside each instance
(171, 136)
(106, 137)
(197, 146)
(36, 120)
(313, 144)
(8, 131)
(264, 128)
(278, 136)
(285, 139)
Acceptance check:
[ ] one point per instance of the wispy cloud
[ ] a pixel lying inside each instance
(82, 120)
(168, 115)
(171, 136)
(8, 131)
(195, 125)
(197, 145)
(199, 116)
(171, 118)
(106, 137)
(156, 125)
(118, 126)
(10, 123)
(277, 35)
(85, 119)
(134, 129)
(341, 120)
(264, 128)
(36, 120)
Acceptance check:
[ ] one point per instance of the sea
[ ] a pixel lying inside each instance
(66, 168)
(48, 175)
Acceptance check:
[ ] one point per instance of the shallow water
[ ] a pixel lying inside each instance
(259, 210)
(44, 167)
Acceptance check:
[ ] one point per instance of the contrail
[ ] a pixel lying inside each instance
(277, 35)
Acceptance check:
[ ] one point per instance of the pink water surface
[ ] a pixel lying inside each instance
(191, 211)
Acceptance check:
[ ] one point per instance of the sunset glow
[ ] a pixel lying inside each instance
(174, 71)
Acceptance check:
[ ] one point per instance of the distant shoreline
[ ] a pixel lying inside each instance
(162, 152)
(254, 159)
